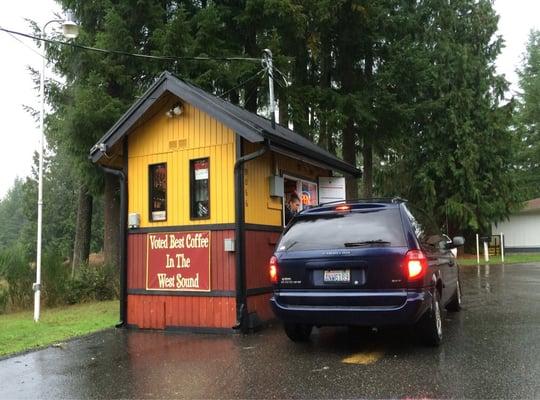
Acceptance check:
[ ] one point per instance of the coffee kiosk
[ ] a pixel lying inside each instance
(203, 186)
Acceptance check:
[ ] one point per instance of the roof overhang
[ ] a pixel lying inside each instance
(250, 126)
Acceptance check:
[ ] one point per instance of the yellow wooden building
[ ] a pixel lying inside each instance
(203, 189)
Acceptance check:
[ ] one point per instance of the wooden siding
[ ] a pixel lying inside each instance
(521, 230)
(176, 141)
(260, 304)
(160, 312)
(222, 263)
(260, 207)
(259, 248)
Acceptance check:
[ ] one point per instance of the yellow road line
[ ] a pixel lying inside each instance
(364, 358)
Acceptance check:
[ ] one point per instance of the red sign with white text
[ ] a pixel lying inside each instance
(178, 261)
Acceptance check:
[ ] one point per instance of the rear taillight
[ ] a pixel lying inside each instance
(415, 264)
(274, 269)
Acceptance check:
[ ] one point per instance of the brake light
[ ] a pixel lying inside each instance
(274, 269)
(343, 208)
(415, 264)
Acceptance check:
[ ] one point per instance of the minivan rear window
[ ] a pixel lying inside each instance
(366, 228)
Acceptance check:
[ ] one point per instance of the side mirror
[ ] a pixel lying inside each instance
(456, 242)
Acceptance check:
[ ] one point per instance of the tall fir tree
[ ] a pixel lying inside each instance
(528, 118)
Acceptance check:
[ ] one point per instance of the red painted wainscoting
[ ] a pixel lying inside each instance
(259, 248)
(149, 310)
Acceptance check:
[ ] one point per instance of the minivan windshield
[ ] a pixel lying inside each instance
(366, 228)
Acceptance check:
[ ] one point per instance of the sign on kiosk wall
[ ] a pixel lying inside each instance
(331, 189)
(178, 261)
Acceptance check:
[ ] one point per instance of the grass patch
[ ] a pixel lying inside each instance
(19, 332)
(514, 258)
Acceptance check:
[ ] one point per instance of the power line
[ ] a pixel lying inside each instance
(125, 53)
(243, 83)
(283, 76)
(24, 44)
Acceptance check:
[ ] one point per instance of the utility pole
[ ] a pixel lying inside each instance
(70, 30)
(268, 64)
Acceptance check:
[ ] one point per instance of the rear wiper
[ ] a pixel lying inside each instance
(366, 243)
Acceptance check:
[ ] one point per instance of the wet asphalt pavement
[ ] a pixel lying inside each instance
(491, 350)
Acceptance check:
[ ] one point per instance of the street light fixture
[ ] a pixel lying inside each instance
(70, 30)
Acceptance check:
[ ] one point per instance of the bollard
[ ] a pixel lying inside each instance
(477, 249)
(502, 247)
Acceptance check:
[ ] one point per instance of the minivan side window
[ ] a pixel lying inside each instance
(418, 231)
(427, 232)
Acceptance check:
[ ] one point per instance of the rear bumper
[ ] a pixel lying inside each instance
(388, 308)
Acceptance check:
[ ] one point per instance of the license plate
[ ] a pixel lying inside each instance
(337, 275)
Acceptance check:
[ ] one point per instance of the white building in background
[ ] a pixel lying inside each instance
(522, 229)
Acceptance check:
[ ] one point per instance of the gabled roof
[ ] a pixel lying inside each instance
(246, 124)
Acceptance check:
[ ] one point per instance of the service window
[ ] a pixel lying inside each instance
(200, 188)
(306, 191)
(158, 191)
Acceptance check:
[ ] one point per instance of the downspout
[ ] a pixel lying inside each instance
(123, 223)
(241, 292)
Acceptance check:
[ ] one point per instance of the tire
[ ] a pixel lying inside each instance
(455, 304)
(430, 325)
(298, 332)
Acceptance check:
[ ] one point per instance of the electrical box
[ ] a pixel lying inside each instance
(228, 244)
(134, 220)
(277, 187)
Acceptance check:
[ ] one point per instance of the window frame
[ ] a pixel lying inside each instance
(150, 190)
(192, 187)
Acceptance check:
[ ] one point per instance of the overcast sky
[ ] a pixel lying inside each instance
(20, 132)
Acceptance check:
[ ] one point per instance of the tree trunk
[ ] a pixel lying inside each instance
(83, 229)
(367, 155)
(283, 108)
(250, 102)
(348, 80)
(349, 155)
(367, 148)
(111, 233)
(325, 83)
(300, 114)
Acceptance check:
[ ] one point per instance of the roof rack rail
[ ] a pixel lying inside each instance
(393, 200)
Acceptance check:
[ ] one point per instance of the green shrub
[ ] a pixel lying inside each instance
(55, 273)
(93, 283)
(4, 295)
(19, 274)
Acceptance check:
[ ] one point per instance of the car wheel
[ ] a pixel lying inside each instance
(430, 326)
(455, 303)
(298, 332)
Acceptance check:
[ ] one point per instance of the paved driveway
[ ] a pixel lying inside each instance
(491, 350)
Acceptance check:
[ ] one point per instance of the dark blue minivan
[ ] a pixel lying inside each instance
(364, 263)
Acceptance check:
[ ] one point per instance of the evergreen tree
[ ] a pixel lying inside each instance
(457, 159)
(12, 218)
(528, 118)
